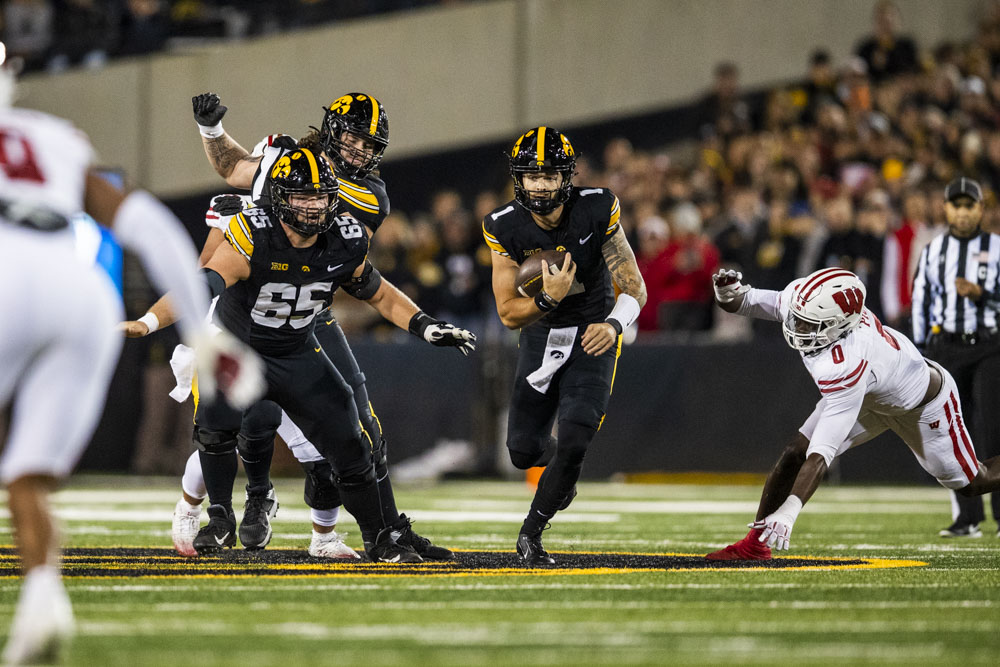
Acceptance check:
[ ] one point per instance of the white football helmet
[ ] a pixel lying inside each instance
(825, 306)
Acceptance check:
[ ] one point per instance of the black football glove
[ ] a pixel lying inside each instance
(208, 110)
(227, 204)
(442, 334)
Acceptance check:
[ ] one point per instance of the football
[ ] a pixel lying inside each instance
(529, 275)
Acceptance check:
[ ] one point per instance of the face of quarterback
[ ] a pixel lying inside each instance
(357, 150)
(542, 184)
(964, 215)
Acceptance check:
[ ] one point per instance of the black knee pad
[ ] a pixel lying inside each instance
(379, 453)
(528, 451)
(320, 490)
(214, 442)
(356, 480)
(251, 449)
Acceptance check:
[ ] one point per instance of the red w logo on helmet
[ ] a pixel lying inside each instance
(850, 300)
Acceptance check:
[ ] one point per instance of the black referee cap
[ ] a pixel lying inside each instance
(963, 187)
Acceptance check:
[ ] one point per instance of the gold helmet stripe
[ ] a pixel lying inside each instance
(540, 146)
(313, 167)
(374, 125)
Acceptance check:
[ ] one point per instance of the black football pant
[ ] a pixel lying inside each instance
(261, 430)
(321, 403)
(579, 391)
(976, 369)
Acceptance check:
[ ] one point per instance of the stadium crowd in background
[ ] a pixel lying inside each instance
(844, 168)
(56, 34)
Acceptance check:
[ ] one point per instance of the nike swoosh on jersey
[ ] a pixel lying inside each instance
(586, 238)
(318, 349)
(333, 268)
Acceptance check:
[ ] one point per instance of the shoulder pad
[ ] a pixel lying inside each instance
(280, 141)
(361, 202)
(239, 234)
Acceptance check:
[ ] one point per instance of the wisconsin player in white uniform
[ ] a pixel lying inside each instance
(54, 371)
(871, 379)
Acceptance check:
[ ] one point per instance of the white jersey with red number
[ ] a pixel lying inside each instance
(872, 367)
(43, 161)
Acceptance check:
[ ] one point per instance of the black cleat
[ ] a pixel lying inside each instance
(255, 528)
(531, 551)
(424, 548)
(387, 549)
(962, 530)
(219, 533)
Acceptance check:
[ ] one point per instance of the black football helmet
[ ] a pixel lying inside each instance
(542, 149)
(302, 172)
(362, 116)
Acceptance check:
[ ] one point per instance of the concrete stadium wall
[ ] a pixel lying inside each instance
(461, 75)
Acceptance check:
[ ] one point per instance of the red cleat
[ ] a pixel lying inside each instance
(746, 549)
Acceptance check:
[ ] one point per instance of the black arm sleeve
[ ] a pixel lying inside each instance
(364, 286)
(216, 283)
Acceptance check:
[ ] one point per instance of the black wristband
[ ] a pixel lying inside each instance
(616, 325)
(419, 323)
(545, 302)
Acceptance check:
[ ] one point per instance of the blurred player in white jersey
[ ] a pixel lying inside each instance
(54, 370)
(872, 379)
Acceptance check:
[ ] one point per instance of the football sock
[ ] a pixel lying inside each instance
(560, 475)
(362, 501)
(220, 474)
(257, 465)
(390, 514)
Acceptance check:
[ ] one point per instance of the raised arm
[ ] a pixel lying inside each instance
(230, 160)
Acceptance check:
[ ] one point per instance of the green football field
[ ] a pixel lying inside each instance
(868, 582)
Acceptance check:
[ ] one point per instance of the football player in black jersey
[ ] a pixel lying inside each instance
(571, 331)
(353, 136)
(278, 270)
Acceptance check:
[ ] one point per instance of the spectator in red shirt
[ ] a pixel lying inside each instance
(678, 279)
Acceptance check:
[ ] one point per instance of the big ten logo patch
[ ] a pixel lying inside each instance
(279, 266)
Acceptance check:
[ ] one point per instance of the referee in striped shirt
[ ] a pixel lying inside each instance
(956, 298)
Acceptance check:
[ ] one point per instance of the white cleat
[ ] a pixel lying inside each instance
(43, 622)
(187, 519)
(331, 545)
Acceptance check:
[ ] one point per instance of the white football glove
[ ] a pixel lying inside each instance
(226, 364)
(778, 524)
(727, 285)
(442, 334)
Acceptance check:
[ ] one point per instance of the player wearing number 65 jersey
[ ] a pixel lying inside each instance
(871, 379)
(278, 269)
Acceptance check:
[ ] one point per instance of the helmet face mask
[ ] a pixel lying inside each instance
(304, 192)
(355, 134)
(825, 307)
(542, 151)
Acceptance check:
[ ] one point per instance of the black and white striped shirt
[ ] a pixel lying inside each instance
(937, 306)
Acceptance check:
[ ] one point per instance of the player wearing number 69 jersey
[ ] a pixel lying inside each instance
(277, 271)
(870, 378)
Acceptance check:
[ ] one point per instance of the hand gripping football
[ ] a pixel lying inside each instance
(529, 275)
